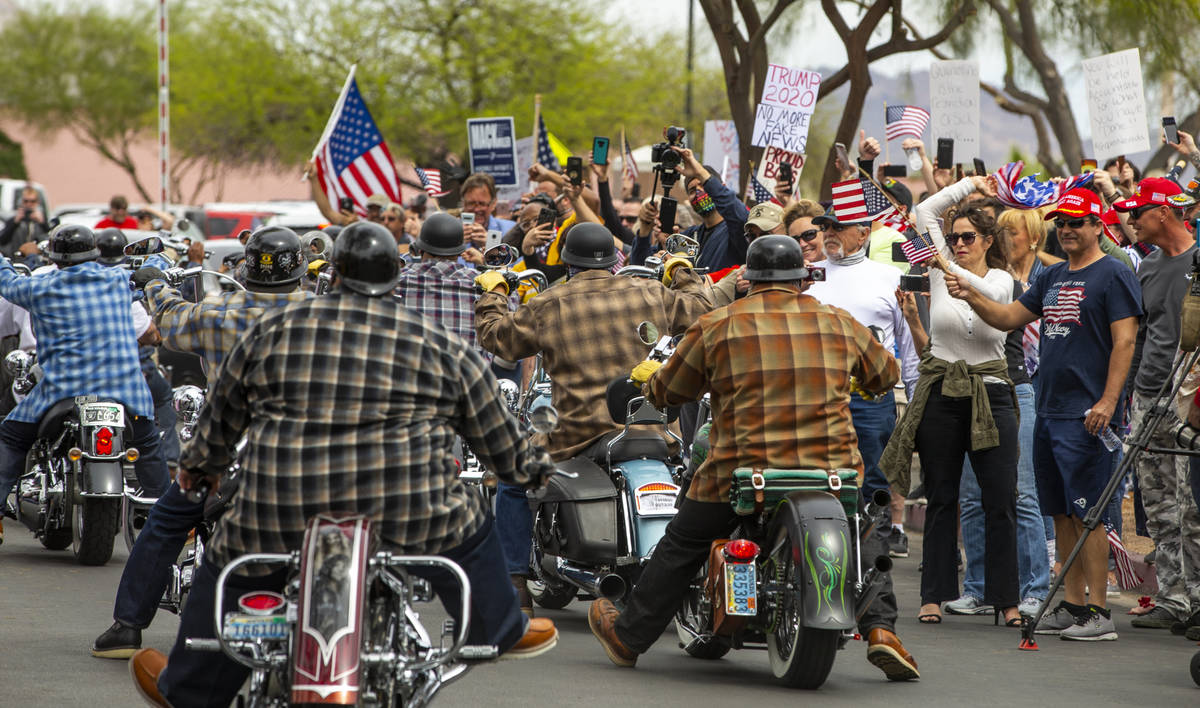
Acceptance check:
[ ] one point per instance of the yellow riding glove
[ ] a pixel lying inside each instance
(643, 371)
(315, 267)
(672, 263)
(488, 280)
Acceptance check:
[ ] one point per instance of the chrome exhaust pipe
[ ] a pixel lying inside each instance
(609, 585)
(870, 586)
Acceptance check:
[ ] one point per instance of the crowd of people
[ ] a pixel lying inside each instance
(1000, 356)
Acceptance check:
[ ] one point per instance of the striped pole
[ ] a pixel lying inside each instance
(164, 120)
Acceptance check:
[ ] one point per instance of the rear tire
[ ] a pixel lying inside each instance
(94, 527)
(801, 657)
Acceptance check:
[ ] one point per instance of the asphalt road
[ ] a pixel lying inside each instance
(51, 609)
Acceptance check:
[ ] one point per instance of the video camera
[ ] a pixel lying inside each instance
(666, 161)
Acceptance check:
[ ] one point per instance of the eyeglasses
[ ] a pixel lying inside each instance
(1140, 211)
(390, 218)
(629, 219)
(475, 205)
(1073, 223)
(30, 201)
(967, 238)
(808, 235)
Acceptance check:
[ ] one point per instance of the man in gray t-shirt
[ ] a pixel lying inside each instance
(1171, 514)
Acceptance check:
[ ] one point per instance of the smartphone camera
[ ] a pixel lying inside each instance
(346, 204)
(600, 150)
(575, 170)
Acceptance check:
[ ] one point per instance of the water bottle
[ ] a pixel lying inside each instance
(914, 159)
(1107, 436)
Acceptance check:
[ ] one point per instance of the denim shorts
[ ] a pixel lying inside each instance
(1072, 466)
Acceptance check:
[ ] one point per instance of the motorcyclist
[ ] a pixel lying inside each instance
(87, 345)
(350, 402)
(777, 365)
(275, 265)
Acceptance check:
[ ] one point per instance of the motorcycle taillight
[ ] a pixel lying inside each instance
(741, 550)
(261, 602)
(104, 441)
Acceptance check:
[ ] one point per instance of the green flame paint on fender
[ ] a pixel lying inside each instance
(831, 576)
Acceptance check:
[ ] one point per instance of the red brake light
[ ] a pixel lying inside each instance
(260, 603)
(741, 549)
(104, 441)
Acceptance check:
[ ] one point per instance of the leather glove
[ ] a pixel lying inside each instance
(142, 276)
(672, 263)
(488, 280)
(643, 371)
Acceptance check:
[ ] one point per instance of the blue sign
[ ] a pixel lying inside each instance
(494, 149)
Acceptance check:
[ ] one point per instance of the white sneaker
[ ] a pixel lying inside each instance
(1095, 627)
(967, 605)
(1029, 606)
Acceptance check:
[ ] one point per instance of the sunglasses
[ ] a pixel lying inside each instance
(826, 227)
(967, 238)
(808, 235)
(629, 219)
(1138, 212)
(1073, 223)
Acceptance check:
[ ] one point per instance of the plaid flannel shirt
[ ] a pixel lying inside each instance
(586, 330)
(209, 329)
(352, 403)
(777, 365)
(443, 291)
(86, 342)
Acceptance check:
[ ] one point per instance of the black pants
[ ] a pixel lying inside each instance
(681, 553)
(943, 438)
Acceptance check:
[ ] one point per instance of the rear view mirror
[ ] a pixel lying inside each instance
(648, 333)
(500, 256)
(543, 419)
(145, 247)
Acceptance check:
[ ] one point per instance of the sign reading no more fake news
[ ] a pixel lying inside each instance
(493, 149)
(785, 111)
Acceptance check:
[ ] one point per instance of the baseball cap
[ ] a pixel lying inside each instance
(898, 191)
(1155, 190)
(378, 200)
(1076, 203)
(766, 216)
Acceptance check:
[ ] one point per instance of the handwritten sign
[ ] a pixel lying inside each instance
(1116, 104)
(493, 148)
(781, 127)
(768, 169)
(954, 105)
(791, 88)
(721, 144)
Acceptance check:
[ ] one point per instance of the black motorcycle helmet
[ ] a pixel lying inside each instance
(111, 242)
(441, 235)
(332, 231)
(366, 258)
(71, 244)
(774, 258)
(273, 257)
(589, 245)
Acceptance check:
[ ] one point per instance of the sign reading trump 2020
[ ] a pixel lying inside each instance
(493, 149)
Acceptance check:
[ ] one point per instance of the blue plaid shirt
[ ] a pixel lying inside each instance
(443, 291)
(85, 338)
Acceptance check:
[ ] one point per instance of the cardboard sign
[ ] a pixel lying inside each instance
(954, 105)
(794, 89)
(782, 128)
(1116, 104)
(721, 145)
(493, 149)
(768, 169)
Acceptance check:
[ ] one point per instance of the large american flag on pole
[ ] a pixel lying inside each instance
(545, 154)
(905, 120)
(352, 159)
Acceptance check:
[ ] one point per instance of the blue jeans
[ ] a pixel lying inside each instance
(514, 520)
(873, 422)
(1033, 566)
(148, 569)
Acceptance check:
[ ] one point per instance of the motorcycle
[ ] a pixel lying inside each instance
(346, 629)
(594, 532)
(70, 494)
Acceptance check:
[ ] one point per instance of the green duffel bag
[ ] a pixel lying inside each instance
(754, 490)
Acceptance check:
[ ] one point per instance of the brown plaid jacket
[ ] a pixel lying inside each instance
(777, 365)
(586, 329)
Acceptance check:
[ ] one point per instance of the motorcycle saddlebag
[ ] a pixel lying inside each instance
(756, 490)
(578, 517)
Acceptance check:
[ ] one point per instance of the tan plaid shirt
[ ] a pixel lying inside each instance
(586, 329)
(777, 365)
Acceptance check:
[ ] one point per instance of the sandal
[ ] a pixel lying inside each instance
(1017, 621)
(932, 617)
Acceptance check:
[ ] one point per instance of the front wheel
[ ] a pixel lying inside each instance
(94, 526)
(801, 657)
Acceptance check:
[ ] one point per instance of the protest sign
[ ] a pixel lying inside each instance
(781, 127)
(768, 168)
(721, 144)
(1116, 104)
(790, 88)
(493, 149)
(954, 106)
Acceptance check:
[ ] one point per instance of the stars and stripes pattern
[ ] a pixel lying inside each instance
(881, 208)
(849, 202)
(352, 158)
(759, 192)
(1062, 306)
(431, 180)
(917, 248)
(545, 154)
(1029, 192)
(1127, 576)
(905, 120)
(629, 166)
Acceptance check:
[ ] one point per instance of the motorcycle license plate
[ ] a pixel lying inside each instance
(656, 499)
(741, 589)
(97, 414)
(252, 627)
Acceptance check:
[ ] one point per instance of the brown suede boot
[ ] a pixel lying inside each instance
(602, 618)
(885, 651)
(519, 582)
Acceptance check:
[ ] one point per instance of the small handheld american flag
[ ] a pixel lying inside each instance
(1127, 577)
(628, 165)
(918, 248)
(761, 193)
(431, 180)
(905, 120)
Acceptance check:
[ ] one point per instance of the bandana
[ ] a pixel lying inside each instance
(857, 257)
(702, 203)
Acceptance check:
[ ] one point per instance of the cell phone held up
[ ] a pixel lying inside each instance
(914, 283)
(1170, 129)
(945, 153)
(895, 171)
(785, 172)
(346, 204)
(468, 217)
(575, 170)
(546, 216)
(600, 150)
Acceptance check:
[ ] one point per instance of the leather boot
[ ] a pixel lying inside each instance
(885, 651)
(144, 667)
(602, 618)
(523, 596)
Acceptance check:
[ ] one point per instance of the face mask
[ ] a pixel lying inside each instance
(702, 203)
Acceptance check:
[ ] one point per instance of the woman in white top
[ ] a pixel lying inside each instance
(966, 382)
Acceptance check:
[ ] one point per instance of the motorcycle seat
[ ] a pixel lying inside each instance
(52, 420)
(636, 444)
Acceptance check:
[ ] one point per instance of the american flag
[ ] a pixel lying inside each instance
(760, 192)
(1062, 306)
(849, 202)
(1019, 192)
(545, 156)
(1127, 577)
(905, 120)
(352, 159)
(881, 209)
(431, 180)
(918, 248)
(628, 165)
